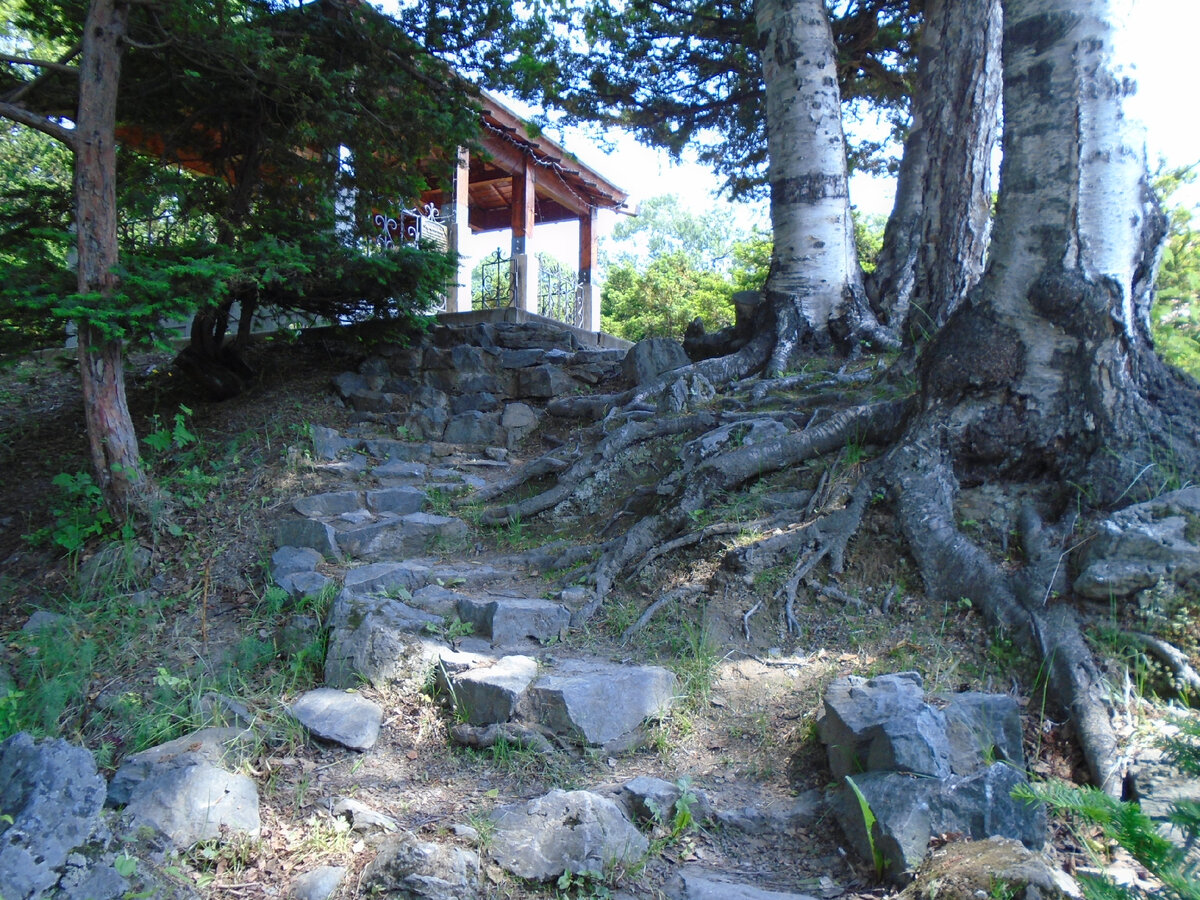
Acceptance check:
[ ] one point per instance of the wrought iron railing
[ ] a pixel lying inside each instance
(560, 296)
(495, 288)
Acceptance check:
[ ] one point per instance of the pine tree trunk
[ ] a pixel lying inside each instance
(111, 435)
(814, 267)
(936, 240)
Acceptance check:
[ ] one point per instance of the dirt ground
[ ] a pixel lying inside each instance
(745, 735)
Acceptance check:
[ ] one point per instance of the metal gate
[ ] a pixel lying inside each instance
(495, 289)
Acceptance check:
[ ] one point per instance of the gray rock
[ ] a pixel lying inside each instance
(599, 703)
(304, 584)
(519, 420)
(427, 423)
(373, 638)
(45, 620)
(545, 381)
(983, 728)
(117, 562)
(319, 884)
(653, 800)
(365, 400)
(398, 500)
(991, 868)
(474, 427)
(483, 401)
(773, 818)
(694, 883)
(909, 811)
(857, 712)
(330, 504)
(195, 803)
(228, 746)
(522, 359)
(409, 868)
(290, 560)
(362, 817)
(513, 620)
(649, 358)
(54, 795)
(328, 444)
(576, 831)
(490, 692)
(400, 535)
(1141, 545)
(346, 719)
(348, 382)
(435, 599)
(307, 533)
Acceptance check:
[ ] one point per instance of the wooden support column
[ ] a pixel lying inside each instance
(524, 263)
(587, 265)
(458, 295)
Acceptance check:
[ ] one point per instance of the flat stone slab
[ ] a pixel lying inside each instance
(598, 702)
(331, 504)
(319, 884)
(195, 803)
(224, 747)
(400, 535)
(700, 884)
(346, 719)
(487, 694)
(386, 576)
(511, 620)
(575, 831)
(399, 500)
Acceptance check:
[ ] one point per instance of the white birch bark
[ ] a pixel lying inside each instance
(814, 260)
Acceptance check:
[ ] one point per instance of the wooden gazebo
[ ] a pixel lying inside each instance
(519, 181)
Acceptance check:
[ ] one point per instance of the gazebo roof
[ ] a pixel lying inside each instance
(565, 189)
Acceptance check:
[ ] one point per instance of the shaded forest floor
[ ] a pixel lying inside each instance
(201, 618)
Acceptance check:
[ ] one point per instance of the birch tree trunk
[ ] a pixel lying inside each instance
(936, 239)
(1044, 383)
(111, 435)
(815, 279)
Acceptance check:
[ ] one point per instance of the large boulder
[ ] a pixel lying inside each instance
(489, 691)
(54, 795)
(564, 831)
(923, 769)
(378, 639)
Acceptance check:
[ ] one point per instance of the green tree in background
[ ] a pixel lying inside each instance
(1175, 318)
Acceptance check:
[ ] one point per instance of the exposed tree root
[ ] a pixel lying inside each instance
(481, 737)
(1172, 657)
(953, 566)
(643, 620)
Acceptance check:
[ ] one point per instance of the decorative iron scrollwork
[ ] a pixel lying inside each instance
(560, 296)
